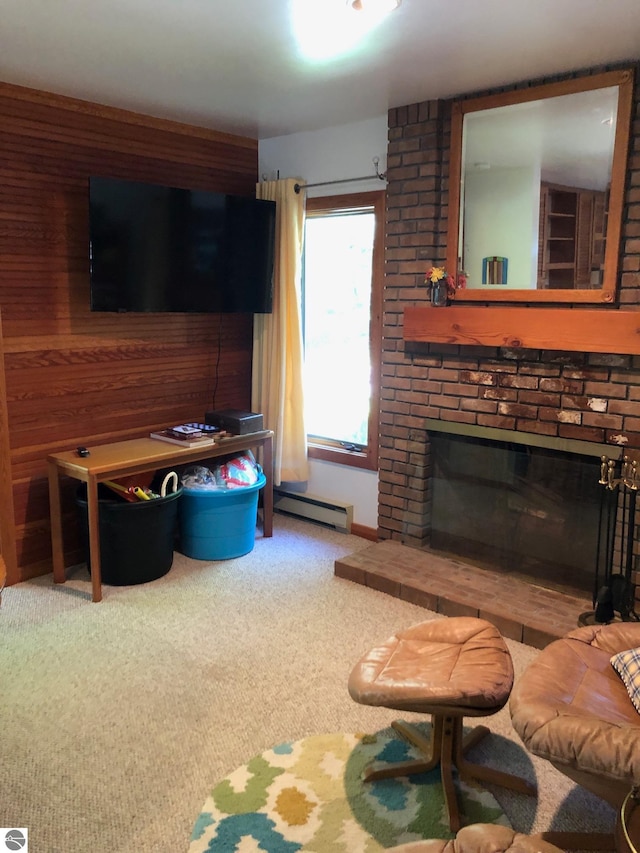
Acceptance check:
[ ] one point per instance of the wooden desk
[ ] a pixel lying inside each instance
(110, 461)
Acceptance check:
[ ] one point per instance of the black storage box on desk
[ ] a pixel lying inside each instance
(235, 421)
(136, 539)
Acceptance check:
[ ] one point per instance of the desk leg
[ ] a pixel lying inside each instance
(57, 546)
(94, 538)
(267, 496)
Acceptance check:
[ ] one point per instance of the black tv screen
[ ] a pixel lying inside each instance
(155, 248)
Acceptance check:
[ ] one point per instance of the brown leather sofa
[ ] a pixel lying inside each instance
(572, 708)
(481, 838)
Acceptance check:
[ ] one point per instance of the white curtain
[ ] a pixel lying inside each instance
(277, 340)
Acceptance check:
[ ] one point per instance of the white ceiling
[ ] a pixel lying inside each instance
(236, 66)
(567, 140)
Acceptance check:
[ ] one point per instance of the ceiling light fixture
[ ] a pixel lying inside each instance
(378, 6)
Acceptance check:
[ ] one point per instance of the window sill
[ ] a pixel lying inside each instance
(340, 456)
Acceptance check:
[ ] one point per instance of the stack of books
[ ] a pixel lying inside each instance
(189, 435)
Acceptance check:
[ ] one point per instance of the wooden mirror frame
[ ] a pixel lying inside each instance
(623, 79)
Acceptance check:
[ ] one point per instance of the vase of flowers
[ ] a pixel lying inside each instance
(442, 285)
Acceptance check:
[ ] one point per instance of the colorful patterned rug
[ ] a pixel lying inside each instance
(308, 795)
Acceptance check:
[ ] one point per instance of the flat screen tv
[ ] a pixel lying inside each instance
(155, 248)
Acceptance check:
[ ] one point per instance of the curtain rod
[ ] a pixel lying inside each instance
(381, 175)
(298, 187)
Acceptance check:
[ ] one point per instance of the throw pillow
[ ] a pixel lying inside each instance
(627, 665)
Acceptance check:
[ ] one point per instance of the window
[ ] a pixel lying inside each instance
(342, 305)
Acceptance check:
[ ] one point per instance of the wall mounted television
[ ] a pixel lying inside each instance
(156, 249)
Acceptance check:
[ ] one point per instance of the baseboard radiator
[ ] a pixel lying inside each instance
(303, 505)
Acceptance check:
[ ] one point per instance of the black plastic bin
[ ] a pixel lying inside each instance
(136, 539)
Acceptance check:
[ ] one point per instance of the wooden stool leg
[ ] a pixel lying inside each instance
(427, 746)
(468, 771)
(430, 748)
(447, 747)
(445, 743)
(451, 745)
(473, 738)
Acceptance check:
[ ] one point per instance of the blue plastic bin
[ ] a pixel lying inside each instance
(219, 524)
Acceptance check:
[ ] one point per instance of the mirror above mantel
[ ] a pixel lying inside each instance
(537, 191)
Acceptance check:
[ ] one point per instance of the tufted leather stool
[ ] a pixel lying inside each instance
(449, 668)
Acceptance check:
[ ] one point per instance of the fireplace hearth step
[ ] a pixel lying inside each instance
(522, 611)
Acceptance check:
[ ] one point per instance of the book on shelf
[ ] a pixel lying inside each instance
(192, 430)
(186, 431)
(202, 441)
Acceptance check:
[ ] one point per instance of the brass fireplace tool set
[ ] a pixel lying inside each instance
(614, 590)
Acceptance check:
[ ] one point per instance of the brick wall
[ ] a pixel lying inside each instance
(585, 396)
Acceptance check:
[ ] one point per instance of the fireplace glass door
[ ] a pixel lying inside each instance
(529, 511)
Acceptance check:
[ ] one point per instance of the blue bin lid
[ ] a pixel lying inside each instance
(222, 493)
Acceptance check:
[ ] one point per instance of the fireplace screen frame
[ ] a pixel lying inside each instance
(486, 515)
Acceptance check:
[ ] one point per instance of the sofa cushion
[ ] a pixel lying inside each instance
(627, 665)
(481, 838)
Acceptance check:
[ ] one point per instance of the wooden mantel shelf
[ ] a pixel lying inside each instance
(574, 329)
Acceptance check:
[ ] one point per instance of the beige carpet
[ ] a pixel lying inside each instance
(118, 718)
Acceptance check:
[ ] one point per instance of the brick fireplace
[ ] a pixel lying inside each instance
(586, 397)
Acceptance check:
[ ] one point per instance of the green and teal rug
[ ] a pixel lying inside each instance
(308, 795)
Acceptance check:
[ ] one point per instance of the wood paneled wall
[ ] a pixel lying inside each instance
(74, 377)
(7, 530)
